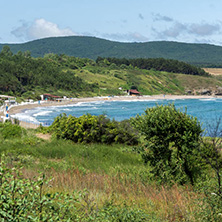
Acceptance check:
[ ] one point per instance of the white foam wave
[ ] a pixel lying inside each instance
(210, 99)
(43, 113)
(25, 118)
(138, 100)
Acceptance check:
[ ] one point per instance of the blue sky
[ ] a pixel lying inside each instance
(193, 21)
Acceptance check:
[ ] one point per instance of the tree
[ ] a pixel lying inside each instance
(6, 51)
(172, 141)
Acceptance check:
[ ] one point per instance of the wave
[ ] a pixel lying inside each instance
(121, 109)
(43, 113)
(25, 118)
(210, 99)
(137, 100)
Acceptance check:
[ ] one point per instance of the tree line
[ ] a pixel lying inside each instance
(20, 73)
(159, 64)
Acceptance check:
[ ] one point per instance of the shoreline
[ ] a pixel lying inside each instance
(19, 108)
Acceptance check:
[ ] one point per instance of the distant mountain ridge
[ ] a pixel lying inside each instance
(92, 47)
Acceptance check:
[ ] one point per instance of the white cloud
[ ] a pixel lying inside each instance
(124, 37)
(204, 29)
(178, 31)
(159, 17)
(172, 32)
(40, 28)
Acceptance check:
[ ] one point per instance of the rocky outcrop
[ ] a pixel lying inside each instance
(218, 91)
(205, 92)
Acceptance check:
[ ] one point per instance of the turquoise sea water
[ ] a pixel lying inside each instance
(206, 110)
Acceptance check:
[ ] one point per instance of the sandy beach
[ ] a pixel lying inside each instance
(19, 108)
(26, 124)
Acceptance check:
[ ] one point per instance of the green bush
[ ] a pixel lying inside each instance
(97, 129)
(172, 142)
(9, 130)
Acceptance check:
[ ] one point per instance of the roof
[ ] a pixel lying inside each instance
(46, 94)
(134, 91)
(5, 96)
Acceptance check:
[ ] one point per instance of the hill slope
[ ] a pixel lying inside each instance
(28, 77)
(91, 47)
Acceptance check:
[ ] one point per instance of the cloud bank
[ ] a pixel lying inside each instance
(162, 28)
(177, 30)
(40, 28)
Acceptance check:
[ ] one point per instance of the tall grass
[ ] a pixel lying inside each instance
(172, 204)
(109, 173)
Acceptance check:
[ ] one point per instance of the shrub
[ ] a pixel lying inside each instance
(98, 129)
(172, 141)
(9, 130)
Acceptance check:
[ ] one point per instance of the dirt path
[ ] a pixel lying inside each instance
(44, 136)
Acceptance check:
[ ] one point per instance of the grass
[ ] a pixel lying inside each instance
(148, 82)
(109, 173)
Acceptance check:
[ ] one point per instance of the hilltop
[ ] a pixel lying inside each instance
(91, 47)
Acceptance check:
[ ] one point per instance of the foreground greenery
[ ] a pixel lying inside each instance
(94, 129)
(88, 181)
(173, 141)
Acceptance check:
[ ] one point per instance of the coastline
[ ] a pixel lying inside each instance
(19, 108)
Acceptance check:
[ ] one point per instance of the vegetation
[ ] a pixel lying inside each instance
(93, 129)
(159, 64)
(26, 77)
(24, 199)
(90, 47)
(172, 146)
(97, 169)
(20, 73)
(100, 182)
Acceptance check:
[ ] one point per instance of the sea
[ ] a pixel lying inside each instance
(208, 111)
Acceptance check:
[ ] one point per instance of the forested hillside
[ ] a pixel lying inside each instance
(91, 47)
(20, 73)
(160, 64)
(24, 76)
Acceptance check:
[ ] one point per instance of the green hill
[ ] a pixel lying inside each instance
(91, 47)
(24, 76)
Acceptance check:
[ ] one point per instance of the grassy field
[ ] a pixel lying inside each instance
(112, 174)
(148, 82)
(213, 71)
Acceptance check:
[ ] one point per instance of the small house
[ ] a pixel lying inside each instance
(50, 97)
(7, 100)
(133, 92)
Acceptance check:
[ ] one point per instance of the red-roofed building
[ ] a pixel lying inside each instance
(49, 97)
(134, 92)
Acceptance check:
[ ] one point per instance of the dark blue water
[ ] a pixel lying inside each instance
(206, 110)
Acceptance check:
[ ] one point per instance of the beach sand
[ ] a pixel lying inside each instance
(20, 108)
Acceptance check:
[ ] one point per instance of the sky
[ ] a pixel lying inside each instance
(191, 21)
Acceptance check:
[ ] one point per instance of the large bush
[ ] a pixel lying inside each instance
(172, 142)
(97, 129)
(9, 130)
